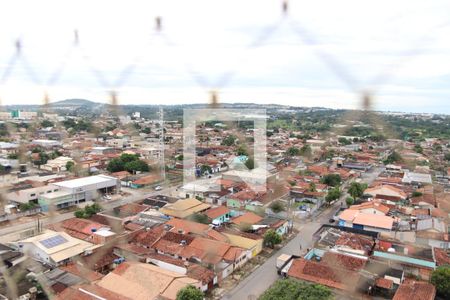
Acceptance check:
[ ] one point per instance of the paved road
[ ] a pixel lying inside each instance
(136, 196)
(263, 277)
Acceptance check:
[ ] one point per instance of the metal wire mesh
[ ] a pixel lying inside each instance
(211, 85)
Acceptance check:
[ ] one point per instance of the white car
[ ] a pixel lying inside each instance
(107, 197)
(158, 188)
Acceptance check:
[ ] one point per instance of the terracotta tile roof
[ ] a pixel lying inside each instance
(99, 259)
(148, 238)
(130, 209)
(348, 262)
(248, 218)
(323, 274)
(88, 292)
(78, 228)
(374, 221)
(210, 251)
(172, 243)
(355, 241)
(427, 198)
(378, 206)
(233, 254)
(82, 272)
(386, 190)
(384, 283)
(136, 249)
(417, 290)
(217, 212)
(187, 226)
(200, 273)
(441, 256)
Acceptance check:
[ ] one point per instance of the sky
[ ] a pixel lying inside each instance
(321, 53)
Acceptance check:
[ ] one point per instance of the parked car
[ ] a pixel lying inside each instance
(158, 188)
(331, 220)
(107, 197)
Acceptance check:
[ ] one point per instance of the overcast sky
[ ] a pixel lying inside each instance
(322, 54)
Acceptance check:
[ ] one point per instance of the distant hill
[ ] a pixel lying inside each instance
(75, 102)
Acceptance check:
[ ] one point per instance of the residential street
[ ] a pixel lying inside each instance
(264, 276)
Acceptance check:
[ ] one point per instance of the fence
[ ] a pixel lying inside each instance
(212, 87)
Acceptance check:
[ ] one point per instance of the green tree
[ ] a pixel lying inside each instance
(440, 278)
(394, 157)
(190, 293)
(356, 190)
(344, 141)
(13, 156)
(293, 151)
(115, 165)
(291, 289)
(199, 218)
(250, 163)
(136, 165)
(416, 194)
(447, 156)
(42, 159)
(79, 213)
(47, 123)
(70, 165)
(349, 201)
(333, 194)
(418, 148)
(125, 157)
(316, 292)
(277, 206)
(229, 140)
(312, 187)
(205, 169)
(242, 150)
(331, 179)
(271, 238)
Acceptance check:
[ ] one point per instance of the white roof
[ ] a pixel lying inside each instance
(79, 182)
(409, 177)
(58, 245)
(5, 145)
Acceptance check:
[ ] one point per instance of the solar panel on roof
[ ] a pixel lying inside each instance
(53, 241)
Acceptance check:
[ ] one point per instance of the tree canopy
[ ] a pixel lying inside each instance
(331, 179)
(333, 194)
(356, 190)
(440, 278)
(271, 238)
(290, 289)
(189, 293)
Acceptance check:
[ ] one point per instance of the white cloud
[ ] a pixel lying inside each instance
(212, 38)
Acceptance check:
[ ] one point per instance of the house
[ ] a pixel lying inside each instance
(253, 245)
(371, 208)
(386, 191)
(88, 292)
(85, 229)
(249, 218)
(57, 165)
(338, 278)
(417, 290)
(218, 215)
(184, 208)
(54, 248)
(140, 281)
(369, 222)
(416, 178)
